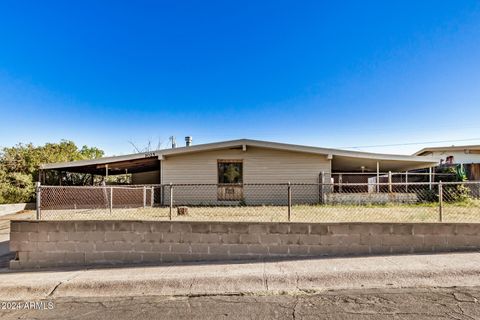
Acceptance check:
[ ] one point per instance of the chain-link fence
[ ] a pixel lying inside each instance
(329, 202)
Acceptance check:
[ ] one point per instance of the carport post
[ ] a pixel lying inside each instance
(39, 199)
(171, 200)
(390, 181)
(289, 189)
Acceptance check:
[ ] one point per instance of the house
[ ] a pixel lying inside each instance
(467, 157)
(225, 169)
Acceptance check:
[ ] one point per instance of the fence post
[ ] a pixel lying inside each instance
(322, 188)
(144, 197)
(111, 199)
(440, 201)
(171, 200)
(390, 181)
(151, 196)
(39, 199)
(289, 188)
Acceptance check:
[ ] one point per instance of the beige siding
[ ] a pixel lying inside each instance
(260, 165)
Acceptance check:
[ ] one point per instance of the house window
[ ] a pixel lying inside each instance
(230, 171)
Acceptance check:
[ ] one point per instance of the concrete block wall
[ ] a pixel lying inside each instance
(78, 243)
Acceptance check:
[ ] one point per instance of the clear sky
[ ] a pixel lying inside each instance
(332, 74)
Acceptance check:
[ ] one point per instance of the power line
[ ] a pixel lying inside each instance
(411, 143)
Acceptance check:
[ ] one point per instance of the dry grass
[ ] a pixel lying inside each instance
(462, 212)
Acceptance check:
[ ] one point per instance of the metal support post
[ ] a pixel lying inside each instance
(378, 177)
(390, 181)
(152, 199)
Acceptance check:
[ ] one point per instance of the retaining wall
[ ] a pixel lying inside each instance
(65, 243)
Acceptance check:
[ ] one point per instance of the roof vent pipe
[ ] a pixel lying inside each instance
(188, 141)
(174, 142)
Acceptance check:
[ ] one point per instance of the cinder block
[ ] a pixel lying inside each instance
(430, 240)
(200, 227)
(115, 236)
(84, 225)
(310, 239)
(161, 226)
(281, 228)
(137, 246)
(19, 236)
(160, 247)
(219, 249)
(170, 257)
(180, 248)
(103, 226)
(142, 227)
(191, 237)
(444, 229)
(54, 256)
(47, 246)
(123, 226)
(77, 236)
(114, 257)
(402, 249)
(84, 247)
(238, 228)
(133, 257)
(230, 238)
(320, 229)
(104, 246)
(318, 250)
(210, 238)
(63, 226)
(49, 226)
(199, 248)
(234, 249)
(249, 239)
(57, 236)
(14, 226)
(171, 237)
(258, 249)
(23, 246)
(94, 257)
(299, 228)
(258, 229)
(28, 226)
(468, 229)
(178, 227)
(94, 236)
(152, 237)
(75, 257)
(402, 229)
(395, 240)
(337, 229)
(269, 239)
(297, 250)
(359, 228)
(278, 250)
(23, 255)
(218, 227)
(289, 238)
(67, 246)
(151, 256)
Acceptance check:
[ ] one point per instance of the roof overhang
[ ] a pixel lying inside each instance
(465, 149)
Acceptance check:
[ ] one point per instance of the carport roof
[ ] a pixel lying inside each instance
(342, 160)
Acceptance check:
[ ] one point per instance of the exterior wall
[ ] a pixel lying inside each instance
(458, 156)
(150, 177)
(77, 243)
(260, 166)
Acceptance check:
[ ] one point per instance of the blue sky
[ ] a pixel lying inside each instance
(332, 74)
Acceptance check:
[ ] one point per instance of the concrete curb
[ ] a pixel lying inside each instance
(300, 276)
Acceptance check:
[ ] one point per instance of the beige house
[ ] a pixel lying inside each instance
(235, 170)
(466, 156)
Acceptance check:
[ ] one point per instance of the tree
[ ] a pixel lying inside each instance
(19, 166)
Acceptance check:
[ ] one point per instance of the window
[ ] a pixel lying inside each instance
(230, 171)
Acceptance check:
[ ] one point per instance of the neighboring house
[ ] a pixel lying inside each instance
(230, 165)
(467, 157)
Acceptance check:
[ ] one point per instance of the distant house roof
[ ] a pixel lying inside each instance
(465, 149)
(342, 156)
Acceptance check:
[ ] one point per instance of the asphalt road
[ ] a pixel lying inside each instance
(418, 303)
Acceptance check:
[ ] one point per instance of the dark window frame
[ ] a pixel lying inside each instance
(222, 165)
